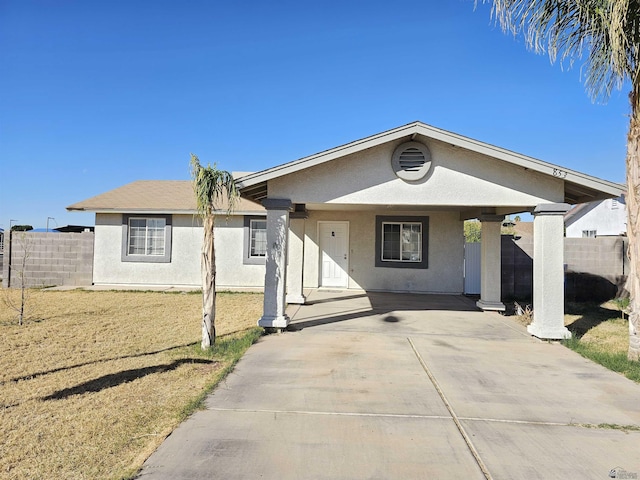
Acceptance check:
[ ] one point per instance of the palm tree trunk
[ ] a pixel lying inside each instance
(208, 270)
(633, 209)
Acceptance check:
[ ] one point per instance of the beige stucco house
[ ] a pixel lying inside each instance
(382, 213)
(147, 233)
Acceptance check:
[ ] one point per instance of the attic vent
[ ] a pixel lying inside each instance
(411, 161)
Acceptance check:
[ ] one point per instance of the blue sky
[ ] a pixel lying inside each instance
(96, 94)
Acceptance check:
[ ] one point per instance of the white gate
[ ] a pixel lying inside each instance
(472, 268)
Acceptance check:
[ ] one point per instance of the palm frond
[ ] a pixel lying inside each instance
(211, 185)
(604, 34)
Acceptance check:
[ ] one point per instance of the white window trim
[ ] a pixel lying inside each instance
(147, 249)
(247, 258)
(146, 258)
(252, 222)
(402, 225)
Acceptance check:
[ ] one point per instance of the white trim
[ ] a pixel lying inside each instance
(165, 211)
(567, 175)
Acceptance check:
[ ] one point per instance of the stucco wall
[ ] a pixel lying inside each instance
(602, 218)
(457, 177)
(446, 253)
(184, 267)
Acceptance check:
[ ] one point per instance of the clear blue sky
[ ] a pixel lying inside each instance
(96, 94)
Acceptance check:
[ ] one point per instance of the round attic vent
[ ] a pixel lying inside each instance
(411, 161)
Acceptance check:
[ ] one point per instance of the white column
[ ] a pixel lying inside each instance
(295, 293)
(275, 278)
(490, 264)
(548, 272)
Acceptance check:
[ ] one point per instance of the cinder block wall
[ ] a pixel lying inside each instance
(595, 268)
(602, 256)
(46, 259)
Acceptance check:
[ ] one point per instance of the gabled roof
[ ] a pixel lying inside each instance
(581, 210)
(579, 187)
(154, 196)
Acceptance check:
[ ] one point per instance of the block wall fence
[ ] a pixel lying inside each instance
(595, 268)
(49, 259)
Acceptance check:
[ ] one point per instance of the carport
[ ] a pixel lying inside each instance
(385, 213)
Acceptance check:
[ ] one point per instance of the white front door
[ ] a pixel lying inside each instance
(334, 254)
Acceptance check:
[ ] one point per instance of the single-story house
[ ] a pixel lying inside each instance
(604, 218)
(383, 213)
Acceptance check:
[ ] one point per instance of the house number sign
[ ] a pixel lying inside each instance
(559, 173)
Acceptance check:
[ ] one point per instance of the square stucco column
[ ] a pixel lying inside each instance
(490, 264)
(275, 277)
(548, 272)
(296, 258)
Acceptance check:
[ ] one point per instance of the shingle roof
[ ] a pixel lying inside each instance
(170, 196)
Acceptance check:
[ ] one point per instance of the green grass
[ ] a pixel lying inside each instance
(613, 360)
(230, 350)
(600, 334)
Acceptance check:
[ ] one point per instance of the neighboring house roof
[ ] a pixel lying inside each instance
(523, 229)
(578, 211)
(600, 216)
(74, 229)
(578, 187)
(154, 196)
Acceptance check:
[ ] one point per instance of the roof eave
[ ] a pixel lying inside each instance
(602, 188)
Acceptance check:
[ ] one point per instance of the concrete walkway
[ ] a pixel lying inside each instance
(384, 386)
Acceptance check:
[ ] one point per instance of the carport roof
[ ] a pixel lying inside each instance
(578, 187)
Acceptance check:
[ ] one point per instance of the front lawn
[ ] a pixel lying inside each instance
(602, 335)
(93, 381)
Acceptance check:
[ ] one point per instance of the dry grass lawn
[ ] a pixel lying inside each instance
(601, 326)
(93, 381)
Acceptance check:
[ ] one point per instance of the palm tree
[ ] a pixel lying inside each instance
(607, 32)
(210, 185)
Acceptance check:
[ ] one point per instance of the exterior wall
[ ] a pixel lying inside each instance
(446, 252)
(50, 259)
(602, 218)
(458, 177)
(184, 267)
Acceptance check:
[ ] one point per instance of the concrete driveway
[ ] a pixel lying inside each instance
(380, 386)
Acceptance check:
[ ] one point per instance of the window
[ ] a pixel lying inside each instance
(146, 238)
(588, 233)
(258, 235)
(401, 242)
(255, 240)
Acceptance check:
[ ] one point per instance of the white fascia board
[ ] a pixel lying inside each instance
(171, 212)
(524, 161)
(454, 139)
(327, 155)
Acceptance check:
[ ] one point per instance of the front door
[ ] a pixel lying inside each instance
(334, 254)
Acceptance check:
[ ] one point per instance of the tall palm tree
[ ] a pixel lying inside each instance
(210, 185)
(607, 33)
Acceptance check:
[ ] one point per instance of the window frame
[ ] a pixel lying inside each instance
(382, 220)
(145, 258)
(247, 258)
